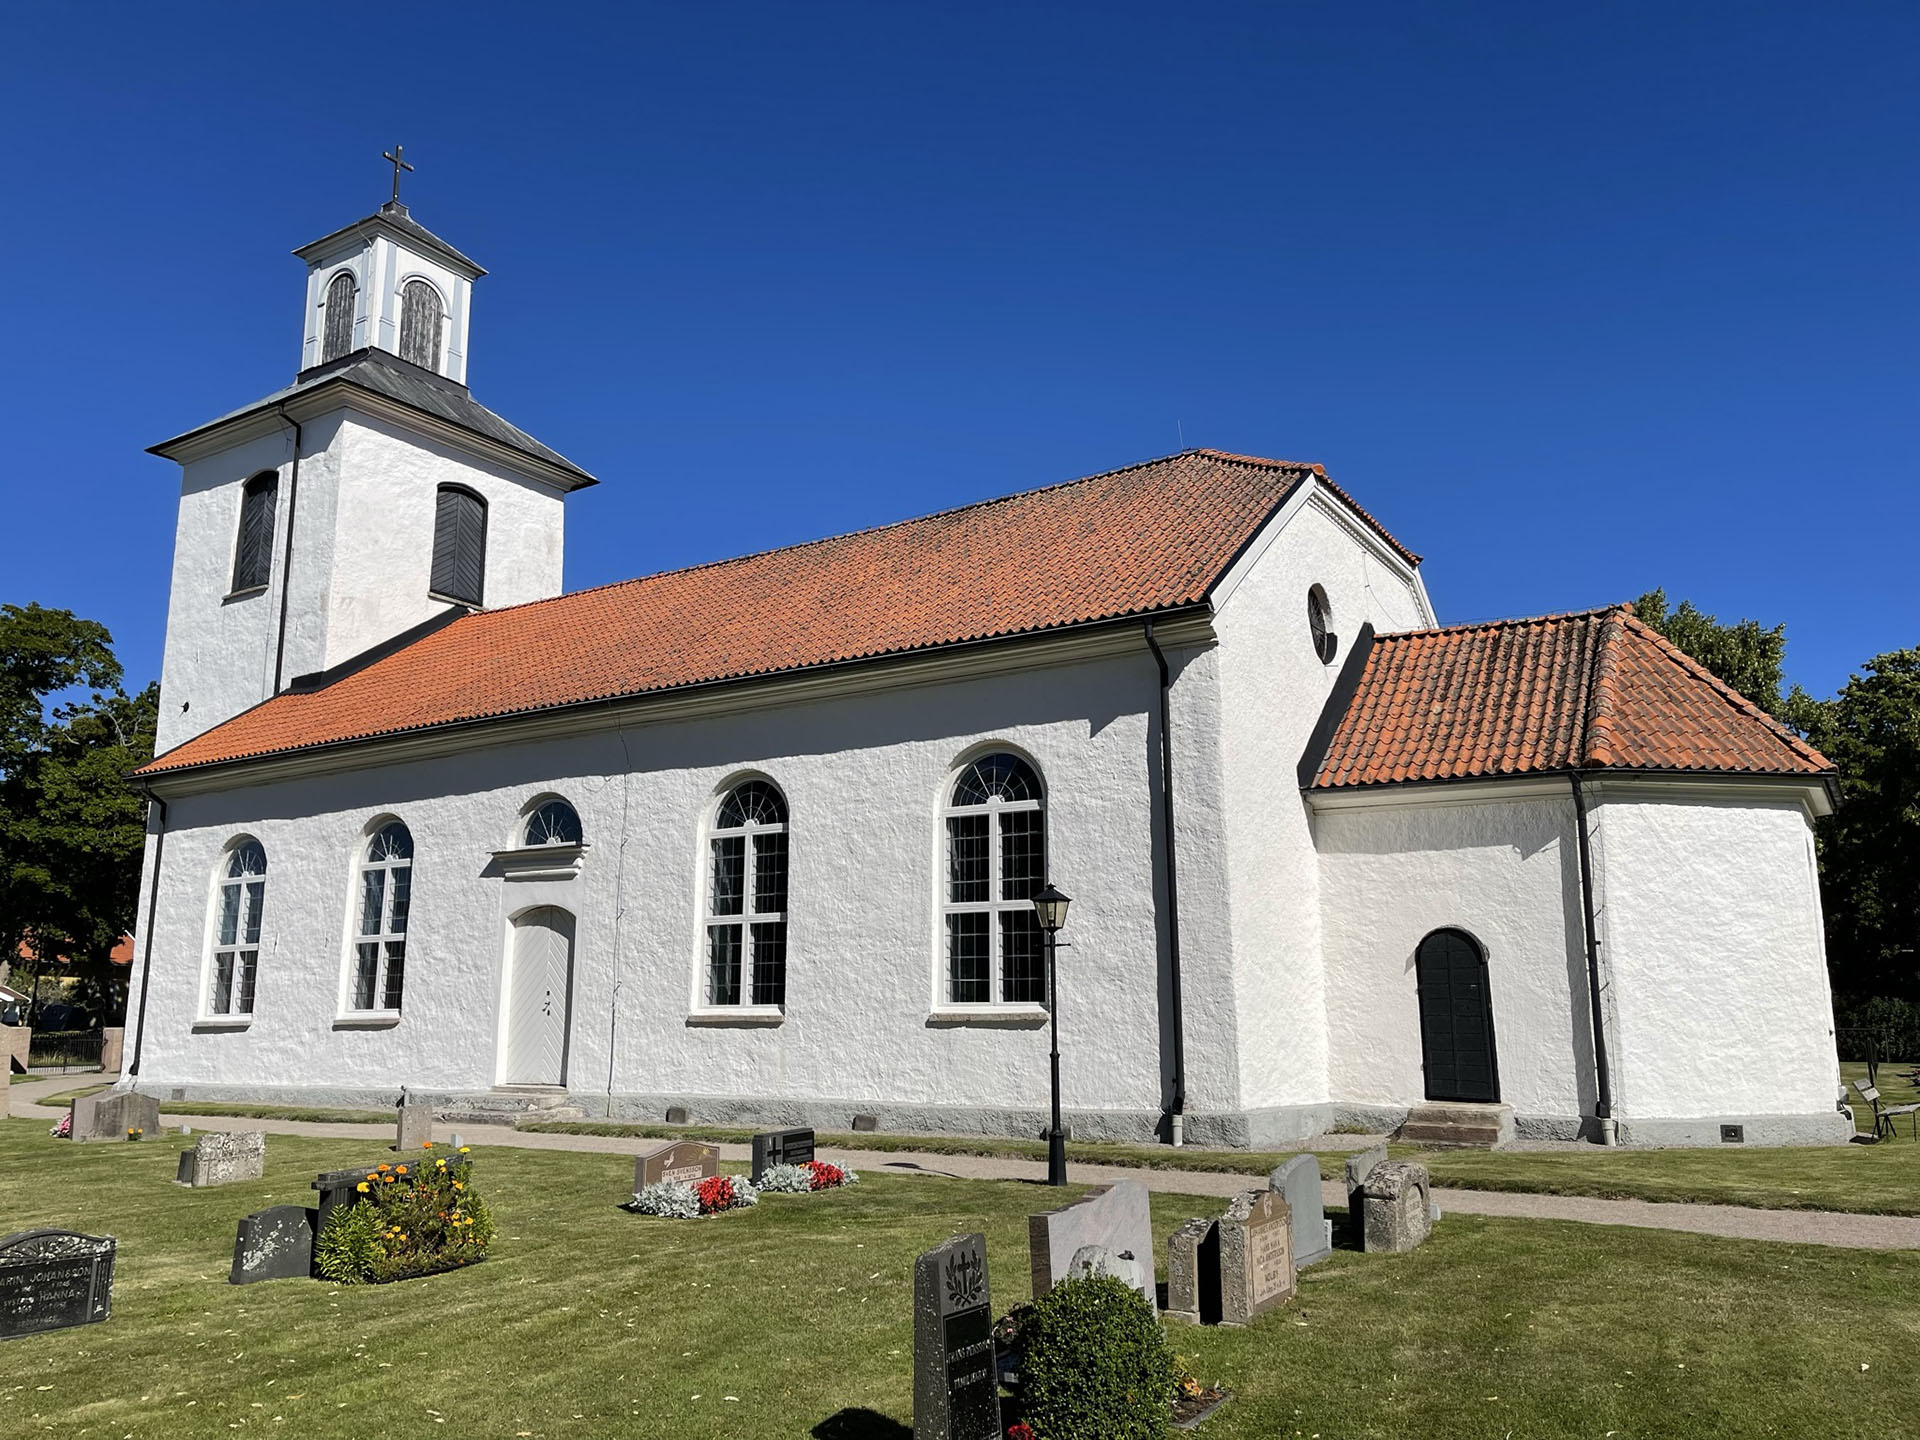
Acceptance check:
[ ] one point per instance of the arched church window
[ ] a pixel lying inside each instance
(747, 898)
(253, 547)
(240, 901)
(553, 823)
(342, 297)
(386, 894)
(420, 316)
(996, 838)
(459, 545)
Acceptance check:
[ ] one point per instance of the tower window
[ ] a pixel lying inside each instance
(460, 545)
(253, 551)
(420, 316)
(1326, 643)
(338, 337)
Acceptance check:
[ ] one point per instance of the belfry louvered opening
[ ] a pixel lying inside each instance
(253, 549)
(459, 546)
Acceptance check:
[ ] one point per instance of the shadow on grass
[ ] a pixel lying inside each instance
(860, 1424)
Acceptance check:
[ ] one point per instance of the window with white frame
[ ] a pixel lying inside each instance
(747, 898)
(343, 296)
(239, 908)
(420, 316)
(553, 822)
(996, 838)
(380, 944)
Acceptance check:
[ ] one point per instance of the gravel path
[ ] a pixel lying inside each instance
(1801, 1227)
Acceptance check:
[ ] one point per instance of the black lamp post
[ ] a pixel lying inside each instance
(1051, 906)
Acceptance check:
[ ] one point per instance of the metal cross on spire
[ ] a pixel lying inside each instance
(398, 165)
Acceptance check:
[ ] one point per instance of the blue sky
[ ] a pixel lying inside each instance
(1578, 300)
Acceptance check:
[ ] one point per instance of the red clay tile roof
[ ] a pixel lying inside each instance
(1596, 690)
(1151, 537)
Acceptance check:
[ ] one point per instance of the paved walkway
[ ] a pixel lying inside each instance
(1801, 1227)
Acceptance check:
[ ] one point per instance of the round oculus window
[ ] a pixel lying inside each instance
(1326, 643)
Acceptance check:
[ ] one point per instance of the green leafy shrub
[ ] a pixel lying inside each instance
(1096, 1365)
(412, 1218)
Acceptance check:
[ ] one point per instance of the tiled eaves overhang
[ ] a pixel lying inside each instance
(1152, 541)
(1595, 693)
(1181, 626)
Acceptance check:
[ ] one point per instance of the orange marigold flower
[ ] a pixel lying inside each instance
(401, 1171)
(387, 1178)
(386, 1167)
(458, 1186)
(426, 1144)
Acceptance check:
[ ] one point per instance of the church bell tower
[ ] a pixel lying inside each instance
(370, 501)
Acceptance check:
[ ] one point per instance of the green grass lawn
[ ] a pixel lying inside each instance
(795, 1319)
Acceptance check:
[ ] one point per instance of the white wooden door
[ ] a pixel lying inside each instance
(539, 982)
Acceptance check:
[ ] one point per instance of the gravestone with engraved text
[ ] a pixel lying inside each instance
(956, 1386)
(687, 1161)
(780, 1147)
(54, 1279)
(273, 1244)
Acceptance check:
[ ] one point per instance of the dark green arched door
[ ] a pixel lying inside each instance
(1456, 1018)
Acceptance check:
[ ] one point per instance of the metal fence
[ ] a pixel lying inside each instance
(65, 1050)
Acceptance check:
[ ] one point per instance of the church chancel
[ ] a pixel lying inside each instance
(759, 839)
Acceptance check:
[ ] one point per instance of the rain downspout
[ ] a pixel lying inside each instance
(153, 910)
(1177, 1119)
(286, 569)
(1603, 1107)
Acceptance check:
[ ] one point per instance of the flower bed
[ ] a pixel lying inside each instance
(418, 1218)
(677, 1200)
(804, 1179)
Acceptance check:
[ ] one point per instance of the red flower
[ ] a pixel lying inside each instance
(715, 1194)
(1019, 1432)
(822, 1176)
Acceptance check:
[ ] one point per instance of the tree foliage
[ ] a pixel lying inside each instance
(71, 829)
(1870, 847)
(1746, 655)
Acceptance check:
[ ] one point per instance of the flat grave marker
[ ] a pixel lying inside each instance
(687, 1161)
(54, 1279)
(956, 1385)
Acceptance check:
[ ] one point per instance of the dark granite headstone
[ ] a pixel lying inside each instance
(54, 1279)
(274, 1244)
(780, 1147)
(956, 1385)
(687, 1161)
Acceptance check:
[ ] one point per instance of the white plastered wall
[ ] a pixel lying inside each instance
(864, 777)
(1273, 688)
(362, 557)
(1506, 871)
(1716, 965)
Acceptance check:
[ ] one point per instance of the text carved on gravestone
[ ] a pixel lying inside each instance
(956, 1382)
(53, 1279)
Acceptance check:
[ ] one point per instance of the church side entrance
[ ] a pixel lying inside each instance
(539, 995)
(1456, 1018)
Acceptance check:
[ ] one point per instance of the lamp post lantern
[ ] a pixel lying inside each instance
(1051, 908)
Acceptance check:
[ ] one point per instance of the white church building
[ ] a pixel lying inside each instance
(758, 839)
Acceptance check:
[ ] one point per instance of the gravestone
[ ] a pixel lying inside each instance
(216, 1159)
(1397, 1208)
(1113, 1216)
(110, 1115)
(274, 1244)
(415, 1127)
(1299, 1181)
(956, 1387)
(1256, 1256)
(687, 1161)
(1098, 1260)
(54, 1279)
(780, 1147)
(15, 1042)
(1359, 1166)
(1193, 1273)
